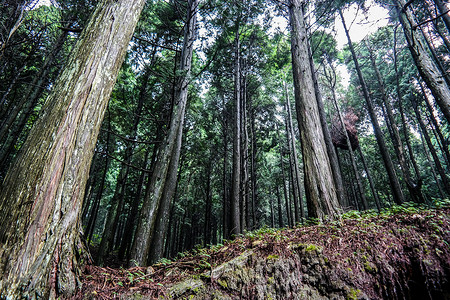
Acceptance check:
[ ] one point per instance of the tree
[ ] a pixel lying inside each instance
(41, 196)
(163, 180)
(319, 185)
(427, 68)
(393, 179)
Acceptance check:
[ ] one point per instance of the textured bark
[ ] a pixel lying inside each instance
(427, 68)
(41, 197)
(332, 152)
(320, 189)
(442, 10)
(236, 176)
(393, 180)
(162, 179)
(295, 170)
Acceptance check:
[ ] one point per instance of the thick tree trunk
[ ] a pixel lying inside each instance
(427, 68)
(320, 189)
(393, 180)
(334, 163)
(167, 162)
(42, 194)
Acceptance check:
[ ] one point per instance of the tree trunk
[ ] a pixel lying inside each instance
(41, 197)
(402, 113)
(295, 172)
(167, 162)
(320, 189)
(413, 187)
(334, 163)
(117, 200)
(393, 180)
(443, 10)
(427, 68)
(437, 162)
(236, 176)
(369, 177)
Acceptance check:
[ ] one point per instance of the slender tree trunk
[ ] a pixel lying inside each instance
(236, 176)
(134, 210)
(413, 187)
(320, 189)
(359, 183)
(279, 208)
(437, 162)
(43, 192)
(283, 177)
(371, 183)
(225, 196)
(393, 180)
(253, 166)
(117, 200)
(435, 123)
(19, 16)
(295, 171)
(427, 68)
(443, 10)
(162, 179)
(208, 206)
(433, 169)
(402, 113)
(244, 207)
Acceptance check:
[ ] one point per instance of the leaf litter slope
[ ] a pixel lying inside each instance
(379, 254)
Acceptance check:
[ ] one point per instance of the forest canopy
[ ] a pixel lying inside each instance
(132, 131)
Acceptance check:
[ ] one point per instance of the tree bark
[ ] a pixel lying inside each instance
(167, 162)
(295, 171)
(427, 68)
(320, 189)
(236, 176)
(41, 197)
(442, 10)
(334, 163)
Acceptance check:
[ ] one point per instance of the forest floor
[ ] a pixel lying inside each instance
(378, 250)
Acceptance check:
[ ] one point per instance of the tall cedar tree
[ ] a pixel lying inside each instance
(41, 196)
(163, 180)
(319, 185)
(426, 66)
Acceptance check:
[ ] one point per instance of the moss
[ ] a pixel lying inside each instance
(222, 283)
(353, 294)
(312, 247)
(369, 267)
(273, 256)
(270, 280)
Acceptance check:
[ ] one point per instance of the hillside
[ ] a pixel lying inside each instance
(402, 253)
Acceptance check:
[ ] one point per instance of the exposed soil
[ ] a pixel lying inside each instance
(401, 254)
